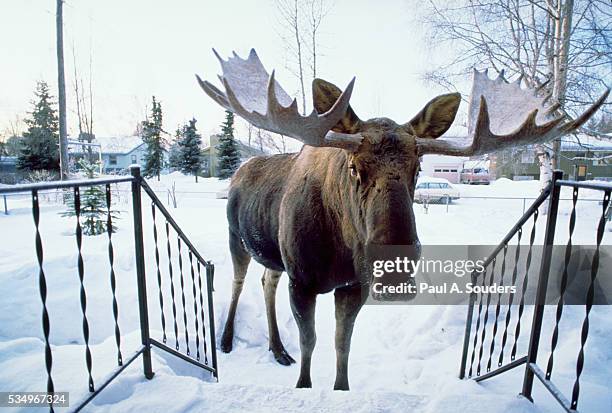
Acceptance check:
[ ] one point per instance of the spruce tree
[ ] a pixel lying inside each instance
(189, 144)
(39, 149)
(152, 137)
(227, 149)
(93, 209)
(174, 153)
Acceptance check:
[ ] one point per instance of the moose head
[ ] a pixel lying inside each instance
(312, 214)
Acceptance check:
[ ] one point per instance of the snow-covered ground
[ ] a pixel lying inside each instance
(403, 358)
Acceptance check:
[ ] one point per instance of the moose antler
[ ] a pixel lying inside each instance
(502, 115)
(258, 98)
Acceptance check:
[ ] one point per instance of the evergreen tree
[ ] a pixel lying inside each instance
(227, 149)
(189, 144)
(174, 154)
(39, 149)
(93, 208)
(152, 137)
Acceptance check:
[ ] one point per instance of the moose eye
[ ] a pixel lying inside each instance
(353, 169)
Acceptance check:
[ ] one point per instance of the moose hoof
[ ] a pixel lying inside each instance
(341, 386)
(282, 357)
(226, 344)
(303, 383)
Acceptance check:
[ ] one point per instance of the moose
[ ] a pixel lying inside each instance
(314, 213)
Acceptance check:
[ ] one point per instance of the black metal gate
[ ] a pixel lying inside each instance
(199, 269)
(480, 309)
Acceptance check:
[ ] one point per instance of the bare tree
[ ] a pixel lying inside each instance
(291, 15)
(560, 46)
(301, 21)
(269, 142)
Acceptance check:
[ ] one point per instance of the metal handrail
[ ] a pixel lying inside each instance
(62, 184)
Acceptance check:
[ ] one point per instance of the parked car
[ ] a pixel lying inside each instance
(435, 190)
(475, 176)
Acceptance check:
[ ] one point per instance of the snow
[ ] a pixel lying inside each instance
(403, 358)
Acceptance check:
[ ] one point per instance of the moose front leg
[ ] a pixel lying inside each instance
(303, 307)
(348, 303)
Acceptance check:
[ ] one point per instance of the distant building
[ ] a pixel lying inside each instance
(586, 159)
(8, 164)
(209, 155)
(117, 153)
(443, 166)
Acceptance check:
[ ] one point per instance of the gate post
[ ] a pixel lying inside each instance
(140, 272)
(538, 309)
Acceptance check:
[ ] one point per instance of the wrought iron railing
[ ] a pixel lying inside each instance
(199, 269)
(483, 306)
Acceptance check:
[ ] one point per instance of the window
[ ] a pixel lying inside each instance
(437, 170)
(444, 186)
(112, 159)
(453, 170)
(445, 170)
(134, 159)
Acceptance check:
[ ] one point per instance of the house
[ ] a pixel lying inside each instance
(115, 153)
(209, 155)
(584, 158)
(443, 166)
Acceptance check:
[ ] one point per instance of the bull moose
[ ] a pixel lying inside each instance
(313, 213)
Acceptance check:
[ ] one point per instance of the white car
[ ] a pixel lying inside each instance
(436, 190)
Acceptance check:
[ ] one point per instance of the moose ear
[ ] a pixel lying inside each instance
(324, 95)
(436, 117)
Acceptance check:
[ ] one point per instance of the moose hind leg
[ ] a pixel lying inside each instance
(240, 261)
(348, 303)
(269, 281)
(303, 306)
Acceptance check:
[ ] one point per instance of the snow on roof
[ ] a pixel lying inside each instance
(111, 144)
(585, 142)
(115, 144)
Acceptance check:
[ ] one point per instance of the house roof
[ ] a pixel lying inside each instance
(586, 142)
(119, 145)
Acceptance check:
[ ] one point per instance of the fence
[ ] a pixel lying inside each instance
(202, 310)
(482, 307)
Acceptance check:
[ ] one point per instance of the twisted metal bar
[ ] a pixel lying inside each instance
(486, 318)
(202, 312)
(480, 301)
(563, 287)
(589, 300)
(159, 277)
(497, 308)
(180, 260)
(81, 269)
(113, 282)
(42, 288)
(172, 287)
(195, 306)
(517, 254)
(521, 308)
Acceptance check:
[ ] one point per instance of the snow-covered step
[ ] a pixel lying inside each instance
(169, 393)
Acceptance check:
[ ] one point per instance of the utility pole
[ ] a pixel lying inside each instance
(61, 83)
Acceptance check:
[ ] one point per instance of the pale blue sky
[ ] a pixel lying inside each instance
(143, 48)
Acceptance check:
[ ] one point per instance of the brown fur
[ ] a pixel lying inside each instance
(313, 213)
